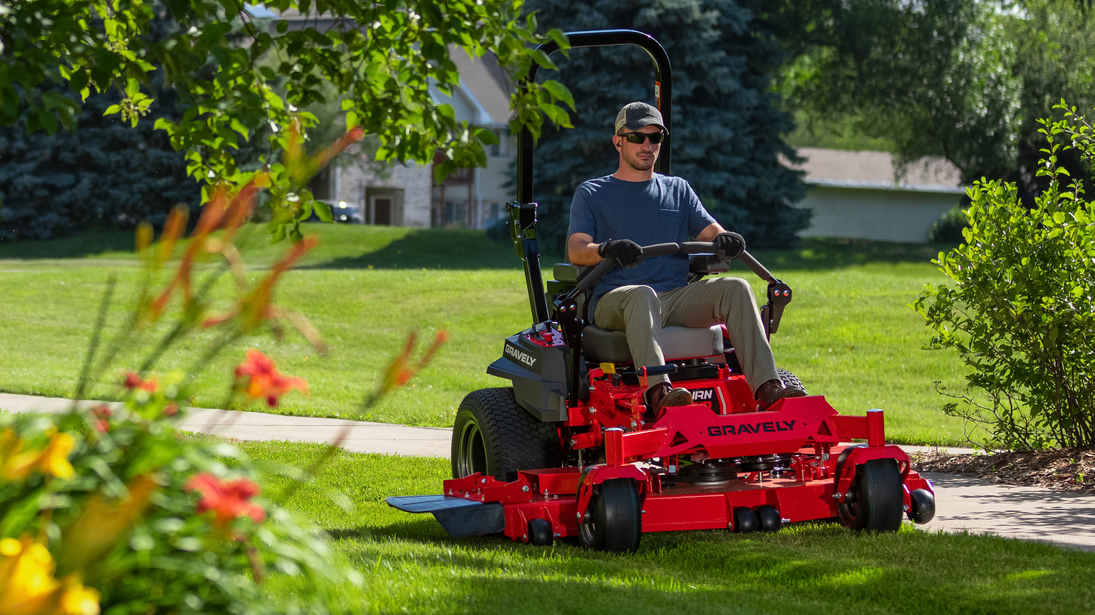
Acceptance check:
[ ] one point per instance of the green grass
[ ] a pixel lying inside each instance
(848, 334)
(410, 565)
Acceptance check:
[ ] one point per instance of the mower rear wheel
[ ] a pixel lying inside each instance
(789, 379)
(614, 521)
(495, 436)
(879, 500)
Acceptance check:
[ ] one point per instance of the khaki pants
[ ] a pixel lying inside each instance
(641, 313)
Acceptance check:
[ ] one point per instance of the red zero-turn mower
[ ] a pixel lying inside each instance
(565, 451)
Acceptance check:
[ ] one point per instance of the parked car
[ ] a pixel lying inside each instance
(348, 213)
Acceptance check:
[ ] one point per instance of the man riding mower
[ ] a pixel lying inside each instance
(591, 441)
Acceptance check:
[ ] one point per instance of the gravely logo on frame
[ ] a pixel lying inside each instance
(744, 428)
(523, 357)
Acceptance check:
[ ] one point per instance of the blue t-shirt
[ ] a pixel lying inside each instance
(661, 210)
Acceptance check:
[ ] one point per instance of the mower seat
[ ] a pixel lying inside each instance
(607, 346)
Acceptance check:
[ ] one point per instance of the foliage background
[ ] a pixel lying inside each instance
(726, 122)
(1018, 307)
(105, 174)
(966, 80)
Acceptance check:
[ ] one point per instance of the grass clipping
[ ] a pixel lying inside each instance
(1060, 470)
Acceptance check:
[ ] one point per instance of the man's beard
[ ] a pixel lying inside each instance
(638, 163)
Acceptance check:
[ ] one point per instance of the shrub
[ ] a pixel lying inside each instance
(948, 229)
(1020, 311)
(110, 509)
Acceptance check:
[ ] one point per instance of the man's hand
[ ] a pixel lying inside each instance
(728, 246)
(625, 252)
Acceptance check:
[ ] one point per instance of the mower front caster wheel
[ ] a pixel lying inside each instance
(922, 506)
(745, 520)
(539, 533)
(614, 520)
(769, 518)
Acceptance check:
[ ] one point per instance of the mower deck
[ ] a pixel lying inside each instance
(802, 484)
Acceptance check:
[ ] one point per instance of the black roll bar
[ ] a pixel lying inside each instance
(523, 234)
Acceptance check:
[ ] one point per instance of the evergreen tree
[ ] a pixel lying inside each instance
(726, 122)
(105, 174)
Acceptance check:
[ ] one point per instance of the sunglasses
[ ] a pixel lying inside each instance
(640, 137)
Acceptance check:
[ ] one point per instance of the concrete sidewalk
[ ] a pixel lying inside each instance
(962, 503)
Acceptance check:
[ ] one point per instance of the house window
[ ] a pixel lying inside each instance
(498, 150)
(454, 213)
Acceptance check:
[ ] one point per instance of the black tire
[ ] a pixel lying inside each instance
(539, 533)
(789, 379)
(879, 499)
(614, 521)
(770, 520)
(745, 520)
(495, 436)
(922, 506)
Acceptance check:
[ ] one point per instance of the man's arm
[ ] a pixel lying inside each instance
(582, 251)
(709, 233)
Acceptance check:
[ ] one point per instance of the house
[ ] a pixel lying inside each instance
(860, 195)
(395, 194)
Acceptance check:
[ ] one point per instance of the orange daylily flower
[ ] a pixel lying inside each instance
(218, 213)
(102, 416)
(264, 380)
(133, 381)
(301, 167)
(401, 370)
(257, 307)
(228, 500)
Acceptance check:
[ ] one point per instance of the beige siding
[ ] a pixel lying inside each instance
(881, 215)
(492, 180)
(352, 181)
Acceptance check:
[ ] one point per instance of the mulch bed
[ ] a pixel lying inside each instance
(1060, 470)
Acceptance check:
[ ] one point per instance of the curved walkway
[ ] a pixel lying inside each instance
(962, 503)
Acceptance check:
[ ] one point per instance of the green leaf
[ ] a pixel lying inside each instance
(560, 92)
(542, 59)
(323, 211)
(487, 136)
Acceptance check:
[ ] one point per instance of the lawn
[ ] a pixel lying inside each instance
(409, 564)
(848, 335)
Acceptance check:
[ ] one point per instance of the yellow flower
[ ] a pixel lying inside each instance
(14, 463)
(77, 599)
(26, 577)
(17, 464)
(27, 586)
(54, 459)
(10, 446)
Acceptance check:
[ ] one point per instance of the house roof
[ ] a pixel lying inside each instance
(875, 170)
(486, 81)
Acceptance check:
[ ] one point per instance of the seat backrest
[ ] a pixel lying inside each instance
(607, 346)
(566, 277)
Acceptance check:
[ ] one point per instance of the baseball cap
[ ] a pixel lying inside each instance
(638, 114)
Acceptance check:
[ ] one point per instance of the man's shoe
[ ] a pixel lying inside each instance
(663, 395)
(772, 391)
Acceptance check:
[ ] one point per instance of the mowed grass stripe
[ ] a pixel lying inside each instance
(409, 563)
(848, 334)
